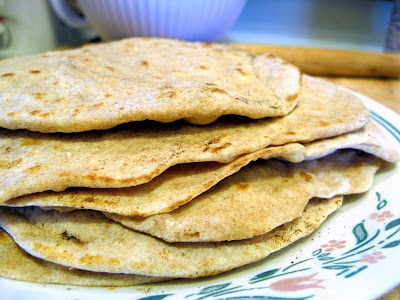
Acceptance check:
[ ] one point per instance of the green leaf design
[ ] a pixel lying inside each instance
(156, 297)
(392, 224)
(326, 258)
(338, 267)
(360, 233)
(263, 275)
(213, 288)
(316, 252)
(392, 244)
(323, 255)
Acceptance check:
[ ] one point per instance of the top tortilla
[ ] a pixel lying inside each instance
(34, 162)
(103, 85)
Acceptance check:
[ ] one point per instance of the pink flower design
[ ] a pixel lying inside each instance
(372, 258)
(381, 217)
(297, 284)
(333, 244)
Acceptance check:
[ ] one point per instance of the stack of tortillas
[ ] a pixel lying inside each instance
(145, 160)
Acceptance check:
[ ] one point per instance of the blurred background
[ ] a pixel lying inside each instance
(31, 26)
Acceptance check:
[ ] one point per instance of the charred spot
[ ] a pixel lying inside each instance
(306, 176)
(203, 67)
(192, 234)
(292, 98)
(217, 149)
(218, 91)
(8, 75)
(144, 63)
(34, 169)
(323, 124)
(242, 186)
(111, 68)
(59, 100)
(241, 71)
(34, 71)
(35, 112)
(171, 94)
(69, 237)
(89, 200)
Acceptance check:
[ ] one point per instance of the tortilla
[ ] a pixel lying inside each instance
(181, 183)
(15, 263)
(123, 157)
(87, 240)
(260, 197)
(103, 85)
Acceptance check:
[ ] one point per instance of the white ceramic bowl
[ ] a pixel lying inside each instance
(192, 20)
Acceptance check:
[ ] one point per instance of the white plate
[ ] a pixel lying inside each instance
(355, 253)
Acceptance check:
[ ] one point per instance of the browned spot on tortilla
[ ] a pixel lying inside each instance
(89, 199)
(55, 82)
(34, 169)
(76, 112)
(207, 44)
(144, 63)
(210, 83)
(129, 44)
(192, 234)
(89, 259)
(166, 87)
(35, 112)
(156, 77)
(108, 95)
(241, 71)
(11, 114)
(69, 237)
(214, 140)
(34, 71)
(290, 133)
(8, 75)
(30, 142)
(58, 148)
(203, 67)
(3, 236)
(171, 94)
(8, 150)
(292, 98)
(242, 186)
(59, 100)
(87, 60)
(306, 176)
(9, 164)
(323, 124)
(217, 149)
(218, 91)
(110, 68)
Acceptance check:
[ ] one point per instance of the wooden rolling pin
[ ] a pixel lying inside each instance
(335, 62)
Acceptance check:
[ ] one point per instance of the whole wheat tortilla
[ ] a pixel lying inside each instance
(181, 183)
(258, 198)
(100, 86)
(34, 162)
(87, 240)
(15, 263)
